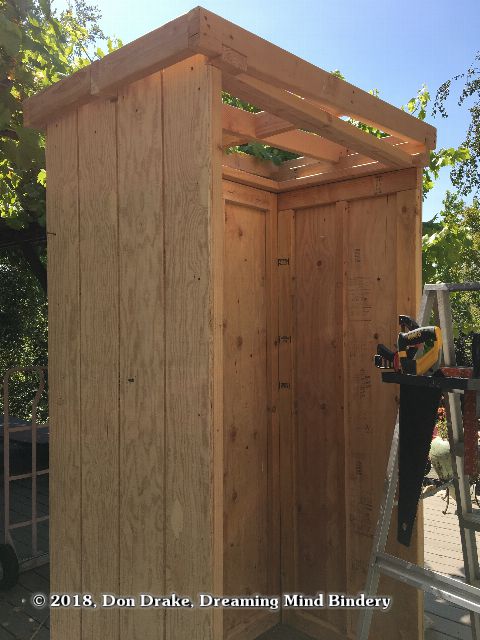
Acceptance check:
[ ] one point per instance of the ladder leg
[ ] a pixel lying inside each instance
(386, 505)
(460, 481)
(381, 534)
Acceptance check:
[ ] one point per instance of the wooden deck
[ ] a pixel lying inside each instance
(20, 621)
(443, 553)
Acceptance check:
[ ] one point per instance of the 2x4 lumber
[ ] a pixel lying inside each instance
(306, 116)
(256, 198)
(234, 50)
(331, 176)
(240, 126)
(238, 122)
(249, 163)
(152, 52)
(266, 125)
(375, 175)
(355, 189)
(307, 144)
(250, 179)
(303, 167)
(49, 104)
(262, 126)
(142, 351)
(99, 366)
(285, 403)
(265, 61)
(64, 371)
(193, 338)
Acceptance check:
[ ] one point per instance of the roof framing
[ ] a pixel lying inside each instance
(298, 98)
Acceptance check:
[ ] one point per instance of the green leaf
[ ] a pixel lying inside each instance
(42, 177)
(46, 8)
(10, 36)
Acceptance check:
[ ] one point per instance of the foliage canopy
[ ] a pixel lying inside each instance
(37, 48)
(465, 175)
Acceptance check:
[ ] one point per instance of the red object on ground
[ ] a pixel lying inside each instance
(470, 422)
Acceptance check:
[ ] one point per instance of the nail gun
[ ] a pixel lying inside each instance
(403, 360)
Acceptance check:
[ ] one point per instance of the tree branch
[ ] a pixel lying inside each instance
(36, 265)
(25, 239)
(8, 133)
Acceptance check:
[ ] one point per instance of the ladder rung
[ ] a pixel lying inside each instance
(450, 589)
(453, 286)
(471, 521)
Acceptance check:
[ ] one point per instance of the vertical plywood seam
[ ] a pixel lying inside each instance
(342, 208)
(277, 327)
(217, 224)
(293, 397)
(274, 266)
(271, 372)
(164, 294)
(80, 360)
(287, 452)
(268, 309)
(119, 369)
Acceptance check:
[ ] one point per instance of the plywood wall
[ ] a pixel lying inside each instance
(217, 424)
(135, 249)
(251, 533)
(354, 266)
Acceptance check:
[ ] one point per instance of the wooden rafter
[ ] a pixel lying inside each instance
(265, 61)
(307, 116)
(240, 127)
(263, 70)
(250, 164)
(321, 159)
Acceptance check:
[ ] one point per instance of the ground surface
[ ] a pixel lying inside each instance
(20, 621)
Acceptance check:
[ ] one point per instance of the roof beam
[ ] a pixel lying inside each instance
(266, 125)
(265, 61)
(235, 51)
(241, 127)
(250, 164)
(305, 115)
(154, 51)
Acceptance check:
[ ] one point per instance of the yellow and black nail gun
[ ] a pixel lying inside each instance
(403, 360)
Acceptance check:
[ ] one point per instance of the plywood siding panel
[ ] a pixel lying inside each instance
(273, 426)
(371, 312)
(320, 509)
(142, 352)
(193, 335)
(99, 361)
(348, 285)
(409, 279)
(64, 371)
(286, 395)
(246, 418)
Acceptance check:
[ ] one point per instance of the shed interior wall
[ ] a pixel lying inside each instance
(345, 264)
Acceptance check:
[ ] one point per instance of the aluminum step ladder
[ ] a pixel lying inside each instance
(436, 297)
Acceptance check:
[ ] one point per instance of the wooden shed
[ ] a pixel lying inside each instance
(217, 422)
